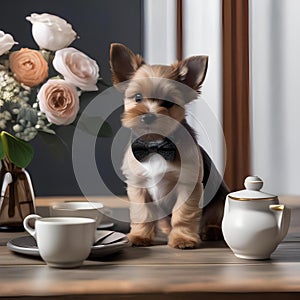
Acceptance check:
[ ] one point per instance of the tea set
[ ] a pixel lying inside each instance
(253, 225)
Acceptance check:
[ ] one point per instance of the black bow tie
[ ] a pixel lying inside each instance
(142, 148)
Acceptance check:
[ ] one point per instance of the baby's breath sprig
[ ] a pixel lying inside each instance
(16, 110)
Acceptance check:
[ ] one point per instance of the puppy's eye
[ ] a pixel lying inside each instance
(166, 104)
(138, 97)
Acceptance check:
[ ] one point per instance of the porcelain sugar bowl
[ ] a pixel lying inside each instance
(254, 222)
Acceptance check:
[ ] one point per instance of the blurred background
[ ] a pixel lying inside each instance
(98, 24)
(257, 37)
(268, 125)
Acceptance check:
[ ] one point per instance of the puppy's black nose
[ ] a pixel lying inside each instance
(148, 118)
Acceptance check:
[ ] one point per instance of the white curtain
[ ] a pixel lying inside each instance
(274, 81)
(202, 35)
(160, 31)
(275, 93)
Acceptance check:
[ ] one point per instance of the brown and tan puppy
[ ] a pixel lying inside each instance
(166, 170)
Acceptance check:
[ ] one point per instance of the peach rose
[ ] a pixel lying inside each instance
(28, 66)
(59, 100)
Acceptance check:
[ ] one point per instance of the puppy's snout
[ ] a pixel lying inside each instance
(148, 118)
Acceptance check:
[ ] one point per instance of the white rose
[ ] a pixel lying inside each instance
(51, 32)
(77, 68)
(6, 42)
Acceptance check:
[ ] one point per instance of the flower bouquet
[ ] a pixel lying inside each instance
(40, 90)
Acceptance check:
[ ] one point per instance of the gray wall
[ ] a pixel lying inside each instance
(98, 23)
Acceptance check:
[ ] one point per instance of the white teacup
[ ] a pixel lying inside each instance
(85, 209)
(63, 242)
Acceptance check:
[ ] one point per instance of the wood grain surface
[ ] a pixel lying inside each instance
(160, 272)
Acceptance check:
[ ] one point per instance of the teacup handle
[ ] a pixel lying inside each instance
(26, 225)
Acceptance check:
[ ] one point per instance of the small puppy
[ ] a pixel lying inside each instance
(166, 170)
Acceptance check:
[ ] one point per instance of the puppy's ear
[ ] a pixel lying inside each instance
(123, 62)
(192, 71)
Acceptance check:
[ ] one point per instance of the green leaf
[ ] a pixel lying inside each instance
(28, 114)
(17, 151)
(55, 144)
(91, 126)
(105, 130)
(2, 153)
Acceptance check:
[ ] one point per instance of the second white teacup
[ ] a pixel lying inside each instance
(84, 209)
(63, 242)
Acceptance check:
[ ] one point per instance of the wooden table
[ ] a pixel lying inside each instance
(160, 272)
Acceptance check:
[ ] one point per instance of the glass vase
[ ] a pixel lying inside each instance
(17, 196)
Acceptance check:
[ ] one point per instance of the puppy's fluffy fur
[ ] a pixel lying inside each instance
(166, 193)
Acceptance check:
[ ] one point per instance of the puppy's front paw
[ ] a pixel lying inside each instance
(183, 242)
(139, 240)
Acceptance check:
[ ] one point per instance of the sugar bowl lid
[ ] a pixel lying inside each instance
(253, 184)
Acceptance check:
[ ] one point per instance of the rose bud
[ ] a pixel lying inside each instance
(51, 32)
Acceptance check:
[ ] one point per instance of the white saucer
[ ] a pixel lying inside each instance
(105, 225)
(27, 245)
